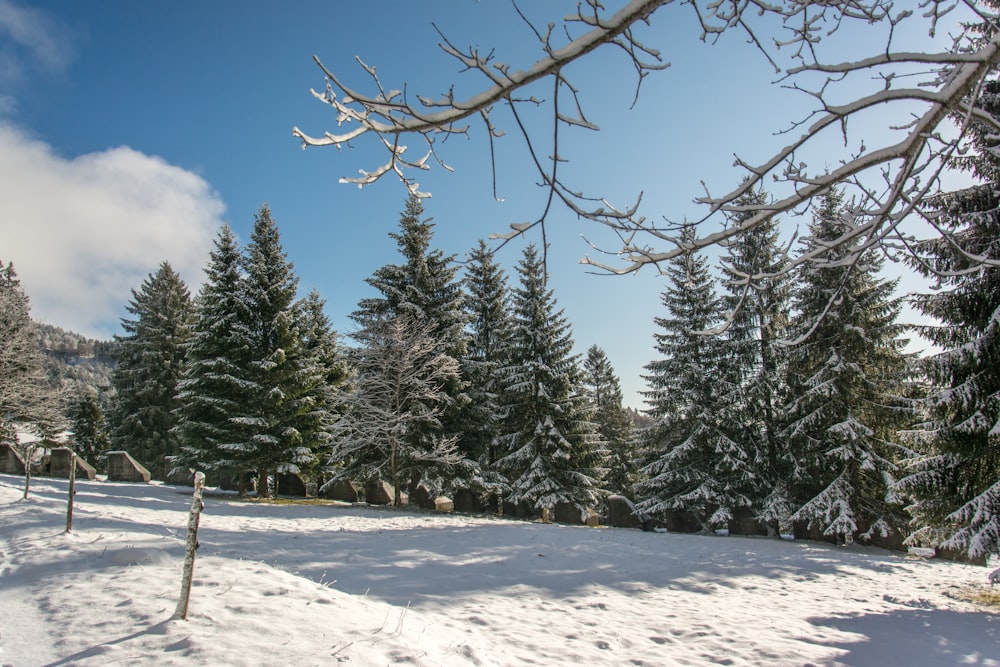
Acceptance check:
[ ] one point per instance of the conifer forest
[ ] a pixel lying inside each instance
(786, 407)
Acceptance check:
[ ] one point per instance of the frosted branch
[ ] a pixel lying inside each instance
(887, 179)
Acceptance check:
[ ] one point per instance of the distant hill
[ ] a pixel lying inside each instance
(73, 360)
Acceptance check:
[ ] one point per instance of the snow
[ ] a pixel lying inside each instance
(325, 584)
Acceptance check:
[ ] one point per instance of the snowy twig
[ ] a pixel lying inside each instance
(889, 180)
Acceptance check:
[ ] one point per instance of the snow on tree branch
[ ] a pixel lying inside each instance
(887, 175)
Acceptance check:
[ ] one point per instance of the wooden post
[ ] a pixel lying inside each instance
(72, 491)
(192, 545)
(28, 453)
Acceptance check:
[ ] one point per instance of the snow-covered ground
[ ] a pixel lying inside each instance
(281, 584)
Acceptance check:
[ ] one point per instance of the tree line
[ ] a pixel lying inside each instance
(780, 397)
(451, 382)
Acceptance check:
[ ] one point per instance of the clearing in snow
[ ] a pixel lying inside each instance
(320, 584)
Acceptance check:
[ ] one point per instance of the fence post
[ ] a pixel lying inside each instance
(197, 505)
(29, 451)
(72, 491)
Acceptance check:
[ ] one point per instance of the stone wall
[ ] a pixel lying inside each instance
(59, 462)
(382, 493)
(621, 513)
(342, 490)
(179, 476)
(123, 468)
(467, 501)
(11, 462)
(290, 484)
(575, 516)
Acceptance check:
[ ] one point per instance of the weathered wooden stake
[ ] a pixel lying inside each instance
(28, 452)
(192, 546)
(72, 491)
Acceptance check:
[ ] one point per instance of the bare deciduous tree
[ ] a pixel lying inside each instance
(399, 388)
(927, 93)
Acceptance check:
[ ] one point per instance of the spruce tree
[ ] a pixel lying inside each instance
(280, 368)
(325, 373)
(758, 296)
(553, 454)
(613, 422)
(690, 462)
(150, 365)
(845, 382)
(216, 390)
(953, 480)
(489, 342)
(89, 427)
(424, 289)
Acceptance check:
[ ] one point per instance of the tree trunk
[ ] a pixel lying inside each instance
(396, 499)
(197, 505)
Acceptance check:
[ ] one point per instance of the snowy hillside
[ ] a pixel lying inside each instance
(283, 584)
(75, 359)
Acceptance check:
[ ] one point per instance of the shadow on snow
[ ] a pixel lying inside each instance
(947, 637)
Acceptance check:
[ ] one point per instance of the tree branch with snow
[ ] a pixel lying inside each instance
(887, 174)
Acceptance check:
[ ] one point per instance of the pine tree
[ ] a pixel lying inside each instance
(691, 464)
(150, 365)
(216, 390)
(553, 453)
(758, 296)
(279, 369)
(326, 378)
(400, 383)
(489, 342)
(25, 400)
(954, 479)
(613, 422)
(89, 427)
(424, 289)
(845, 378)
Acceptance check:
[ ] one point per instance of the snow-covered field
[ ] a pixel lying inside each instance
(281, 584)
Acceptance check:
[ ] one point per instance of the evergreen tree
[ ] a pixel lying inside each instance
(424, 289)
(25, 400)
(89, 427)
(691, 464)
(150, 365)
(400, 385)
(216, 390)
(613, 422)
(489, 342)
(326, 377)
(844, 407)
(280, 369)
(954, 480)
(758, 295)
(553, 453)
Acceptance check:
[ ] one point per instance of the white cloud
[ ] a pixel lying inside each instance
(33, 36)
(82, 233)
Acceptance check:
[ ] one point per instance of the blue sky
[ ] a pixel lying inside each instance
(130, 131)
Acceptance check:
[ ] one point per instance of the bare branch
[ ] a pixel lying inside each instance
(890, 174)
